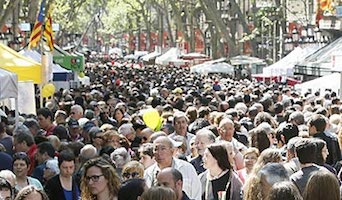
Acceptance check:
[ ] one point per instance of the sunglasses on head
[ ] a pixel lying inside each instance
(128, 175)
(19, 155)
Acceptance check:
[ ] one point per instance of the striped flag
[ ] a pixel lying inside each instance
(37, 29)
(48, 33)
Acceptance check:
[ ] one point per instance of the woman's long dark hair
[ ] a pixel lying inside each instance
(219, 152)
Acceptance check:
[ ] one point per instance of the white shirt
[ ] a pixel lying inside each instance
(191, 182)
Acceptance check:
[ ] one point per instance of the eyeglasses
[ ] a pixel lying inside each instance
(128, 175)
(94, 178)
(161, 148)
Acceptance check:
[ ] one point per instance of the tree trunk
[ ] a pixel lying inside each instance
(236, 9)
(168, 24)
(213, 14)
(8, 11)
(178, 19)
(33, 11)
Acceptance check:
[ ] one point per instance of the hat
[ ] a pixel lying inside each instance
(94, 130)
(178, 90)
(88, 125)
(82, 121)
(59, 112)
(73, 123)
(175, 143)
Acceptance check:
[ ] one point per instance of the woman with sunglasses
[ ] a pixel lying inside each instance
(99, 181)
(21, 165)
(133, 170)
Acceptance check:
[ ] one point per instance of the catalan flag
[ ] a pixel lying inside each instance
(37, 29)
(48, 33)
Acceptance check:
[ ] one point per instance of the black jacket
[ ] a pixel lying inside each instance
(54, 189)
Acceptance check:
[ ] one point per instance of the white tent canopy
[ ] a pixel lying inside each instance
(56, 68)
(136, 56)
(9, 89)
(245, 60)
(209, 67)
(116, 51)
(169, 56)
(9, 84)
(150, 56)
(194, 55)
(285, 66)
(331, 81)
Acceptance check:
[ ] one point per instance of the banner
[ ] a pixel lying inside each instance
(74, 63)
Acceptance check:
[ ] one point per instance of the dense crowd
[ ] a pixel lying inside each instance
(213, 138)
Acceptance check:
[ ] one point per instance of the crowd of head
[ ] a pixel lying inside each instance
(215, 138)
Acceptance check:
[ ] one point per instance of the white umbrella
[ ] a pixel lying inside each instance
(116, 51)
(193, 56)
(129, 57)
(207, 68)
(150, 56)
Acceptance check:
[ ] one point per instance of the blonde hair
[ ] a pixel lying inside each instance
(109, 174)
(134, 166)
(267, 156)
(251, 150)
(253, 189)
(23, 193)
(108, 137)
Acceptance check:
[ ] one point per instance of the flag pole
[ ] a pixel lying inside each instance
(41, 45)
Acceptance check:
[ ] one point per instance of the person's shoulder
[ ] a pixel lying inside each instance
(150, 169)
(203, 174)
(172, 135)
(195, 160)
(179, 164)
(190, 135)
(5, 156)
(297, 175)
(330, 135)
(34, 181)
(54, 178)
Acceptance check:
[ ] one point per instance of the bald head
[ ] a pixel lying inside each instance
(171, 178)
(225, 121)
(163, 140)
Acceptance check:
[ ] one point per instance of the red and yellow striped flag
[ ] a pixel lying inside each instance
(48, 33)
(37, 29)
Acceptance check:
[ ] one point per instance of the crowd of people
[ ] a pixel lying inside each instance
(217, 138)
